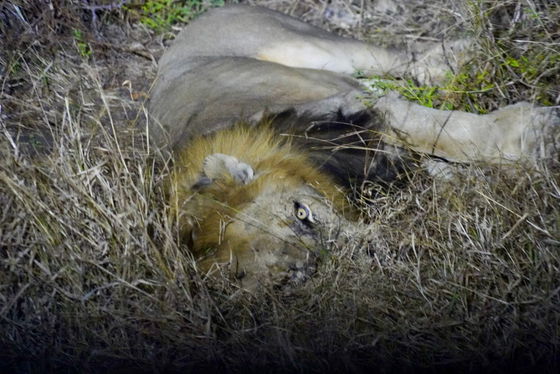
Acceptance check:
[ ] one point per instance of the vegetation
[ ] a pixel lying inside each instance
(460, 275)
(516, 57)
(83, 48)
(160, 15)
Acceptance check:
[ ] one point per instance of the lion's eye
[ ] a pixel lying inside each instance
(303, 213)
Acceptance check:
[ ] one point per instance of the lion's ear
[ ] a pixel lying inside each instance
(221, 166)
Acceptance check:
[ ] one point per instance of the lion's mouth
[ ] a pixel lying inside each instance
(297, 275)
(285, 266)
(291, 277)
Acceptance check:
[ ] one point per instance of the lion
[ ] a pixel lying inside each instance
(268, 129)
(249, 198)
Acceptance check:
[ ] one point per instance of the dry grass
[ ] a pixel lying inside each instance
(457, 275)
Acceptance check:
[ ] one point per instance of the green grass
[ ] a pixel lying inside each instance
(516, 57)
(81, 45)
(160, 15)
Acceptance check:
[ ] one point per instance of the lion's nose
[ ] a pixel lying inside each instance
(299, 276)
(302, 270)
(344, 235)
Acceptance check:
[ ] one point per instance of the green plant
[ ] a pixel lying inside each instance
(529, 68)
(160, 15)
(81, 45)
(518, 52)
(437, 97)
(516, 57)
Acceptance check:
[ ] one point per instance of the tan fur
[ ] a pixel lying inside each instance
(212, 218)
(233, 188)
(240, 62)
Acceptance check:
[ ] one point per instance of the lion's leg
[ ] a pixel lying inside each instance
(428, 64)
(218, 92)
(516, 132)
(266, 35)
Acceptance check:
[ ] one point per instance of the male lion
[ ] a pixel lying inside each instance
(249, 197)
(246, 197)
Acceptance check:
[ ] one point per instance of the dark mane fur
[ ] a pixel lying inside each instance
(347, 147)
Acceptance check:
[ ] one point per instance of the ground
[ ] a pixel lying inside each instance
(459, 275)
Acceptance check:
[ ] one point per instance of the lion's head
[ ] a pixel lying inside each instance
(247, 198)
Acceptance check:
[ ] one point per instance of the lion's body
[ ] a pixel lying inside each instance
(234, 191)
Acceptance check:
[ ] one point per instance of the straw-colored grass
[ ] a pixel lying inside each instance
(461, 274)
